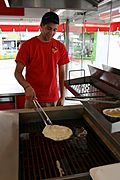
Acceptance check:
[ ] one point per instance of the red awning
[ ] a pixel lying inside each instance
(19, 28)
(23, 28)
(88, 27)
(94, 27)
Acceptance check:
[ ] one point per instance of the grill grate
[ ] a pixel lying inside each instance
(38, 155)
(87, 89)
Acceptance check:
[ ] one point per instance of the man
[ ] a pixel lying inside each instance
(41, 55)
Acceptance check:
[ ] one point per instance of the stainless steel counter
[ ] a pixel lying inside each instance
(8, 146)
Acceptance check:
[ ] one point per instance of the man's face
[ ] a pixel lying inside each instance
(48, 31)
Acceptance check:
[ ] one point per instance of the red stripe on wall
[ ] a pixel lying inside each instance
(11, 11)
(61, 28)
(19, 28)
(23, 28)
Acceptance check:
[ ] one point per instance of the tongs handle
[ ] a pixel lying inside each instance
(42, 112)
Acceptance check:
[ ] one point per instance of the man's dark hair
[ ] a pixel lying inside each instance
(50, 17)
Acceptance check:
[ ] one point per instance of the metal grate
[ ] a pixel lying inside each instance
(87, 89)
(38, 156)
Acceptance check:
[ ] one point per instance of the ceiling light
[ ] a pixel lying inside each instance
(78, 25)
(104, 2)
(7, 3)
(60, 11)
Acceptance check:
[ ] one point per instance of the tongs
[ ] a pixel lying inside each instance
(42, 113)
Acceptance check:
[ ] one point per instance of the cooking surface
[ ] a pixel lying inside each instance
(38, 155)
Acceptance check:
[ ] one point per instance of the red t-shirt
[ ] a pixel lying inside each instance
(41, 60)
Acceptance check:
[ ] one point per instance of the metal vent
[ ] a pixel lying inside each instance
(52, 4)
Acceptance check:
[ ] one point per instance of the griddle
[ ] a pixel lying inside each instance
(38, 155)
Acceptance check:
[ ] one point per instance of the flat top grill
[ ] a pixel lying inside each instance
(38, 155)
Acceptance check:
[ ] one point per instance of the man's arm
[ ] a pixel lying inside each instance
(61, 83)
(29, 91)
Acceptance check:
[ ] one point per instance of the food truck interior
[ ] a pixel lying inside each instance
(90, 29)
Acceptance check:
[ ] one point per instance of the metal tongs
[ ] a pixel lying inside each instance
(42, 113)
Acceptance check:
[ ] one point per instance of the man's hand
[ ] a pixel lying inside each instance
(30, 93)
(60, 101)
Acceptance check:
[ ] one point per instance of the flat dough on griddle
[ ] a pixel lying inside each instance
(57, 133)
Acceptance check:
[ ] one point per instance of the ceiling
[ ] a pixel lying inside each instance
(76, 11)
(61, 4)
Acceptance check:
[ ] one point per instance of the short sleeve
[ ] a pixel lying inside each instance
(64, 59)
(23, 54)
